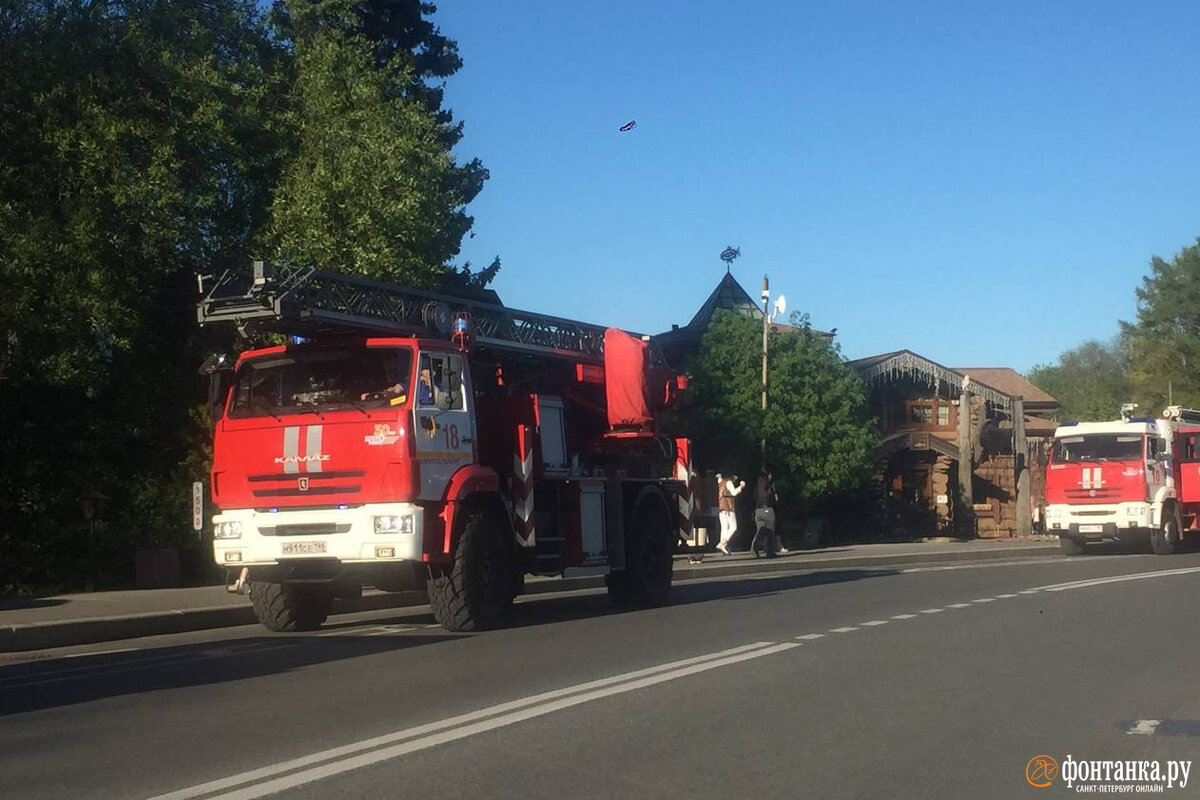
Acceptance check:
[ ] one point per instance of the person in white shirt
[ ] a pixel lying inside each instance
(728, 488)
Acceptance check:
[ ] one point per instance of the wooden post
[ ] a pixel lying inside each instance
(966, 463)
(1024, 513)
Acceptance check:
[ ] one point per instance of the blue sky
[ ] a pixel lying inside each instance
(983, 183)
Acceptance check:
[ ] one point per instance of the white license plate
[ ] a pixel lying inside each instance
(303, 548)
(1091, 529)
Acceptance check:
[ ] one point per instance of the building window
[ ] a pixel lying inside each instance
(921, 413)
(943, 414)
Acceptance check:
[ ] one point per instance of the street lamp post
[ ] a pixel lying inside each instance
(766, 301)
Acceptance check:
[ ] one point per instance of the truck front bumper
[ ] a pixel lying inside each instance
(1094, 523)
(246, 537)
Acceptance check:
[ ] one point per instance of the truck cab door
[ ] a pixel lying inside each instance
(443, 415)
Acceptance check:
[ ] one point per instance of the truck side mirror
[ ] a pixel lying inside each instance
(219, 371)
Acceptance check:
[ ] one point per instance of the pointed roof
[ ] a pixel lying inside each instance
(1011, 382)
(729, 295)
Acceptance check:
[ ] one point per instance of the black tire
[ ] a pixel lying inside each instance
(1071, 547)
(285, 608)
(1164, 540)
(476, 590)
(649, 554)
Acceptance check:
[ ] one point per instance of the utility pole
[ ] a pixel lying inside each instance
(766, 300)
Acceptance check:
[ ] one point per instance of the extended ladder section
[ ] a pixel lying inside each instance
(304, 301)
(1188, 415)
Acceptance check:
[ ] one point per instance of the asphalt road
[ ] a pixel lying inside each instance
(938, 682)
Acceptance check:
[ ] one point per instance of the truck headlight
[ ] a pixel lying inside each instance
(397, 523)
(1053, 512)
(227, 530)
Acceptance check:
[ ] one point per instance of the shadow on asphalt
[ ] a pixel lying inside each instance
(39, 685)
(23, 603)
(49, 684)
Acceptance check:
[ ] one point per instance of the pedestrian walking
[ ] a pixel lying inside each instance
(766, 537)
(728, 487)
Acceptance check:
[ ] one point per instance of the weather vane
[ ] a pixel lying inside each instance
(729, 254)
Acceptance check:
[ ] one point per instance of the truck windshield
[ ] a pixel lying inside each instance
(322, 379)
(1098, 447)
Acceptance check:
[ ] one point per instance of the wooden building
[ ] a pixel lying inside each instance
(962, 448)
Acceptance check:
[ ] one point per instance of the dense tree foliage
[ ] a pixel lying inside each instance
(1164, 342)
(145, 141)
(819, 434)
(1090, 381)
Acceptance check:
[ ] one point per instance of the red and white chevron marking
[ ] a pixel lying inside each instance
(523, 486)
(683, 473)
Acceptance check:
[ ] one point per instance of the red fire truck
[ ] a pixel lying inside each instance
(1135, 480)
(404, 439)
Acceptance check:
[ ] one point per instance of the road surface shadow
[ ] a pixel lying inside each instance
(39, 685)
(44, 684)
(25, 603)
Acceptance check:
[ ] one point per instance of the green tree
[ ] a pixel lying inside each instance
(1090, 381)
(136, 154)
(1164, 342)
(819, 433)
(373, 187)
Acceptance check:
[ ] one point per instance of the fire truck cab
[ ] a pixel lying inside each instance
(1122, 481)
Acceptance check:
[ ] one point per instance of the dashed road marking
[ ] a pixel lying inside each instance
(904, 616)
(842, 630)
(1005, 596)
(959, 605)
(1029, 591)
(933, 611)
(985, 600)
(874, 622)
(811, 636)
(1144, 727)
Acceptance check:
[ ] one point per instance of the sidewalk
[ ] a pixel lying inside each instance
(38, 623)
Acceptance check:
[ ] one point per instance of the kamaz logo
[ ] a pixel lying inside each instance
(300, 459)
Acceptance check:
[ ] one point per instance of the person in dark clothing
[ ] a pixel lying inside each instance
(766, 538)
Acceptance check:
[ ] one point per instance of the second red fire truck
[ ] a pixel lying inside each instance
(1136, 480)
(404, 439)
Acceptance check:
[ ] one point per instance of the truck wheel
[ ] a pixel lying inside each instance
(1070, 546)
(476, 589)
(649, 550)
(1164, 539)
(285, 607)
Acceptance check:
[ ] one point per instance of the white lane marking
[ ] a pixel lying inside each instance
(985, 600)
(1029, 591)
(1137, 576)
(1005, 596)
(1144, 727)
(959, 605)
(697, 663)
(811, 636)
(933, 611)
(904, 616)
(842, 630)
(99, 653)
(989, 565)
(875, 622)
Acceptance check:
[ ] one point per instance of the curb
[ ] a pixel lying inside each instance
(65, 633)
